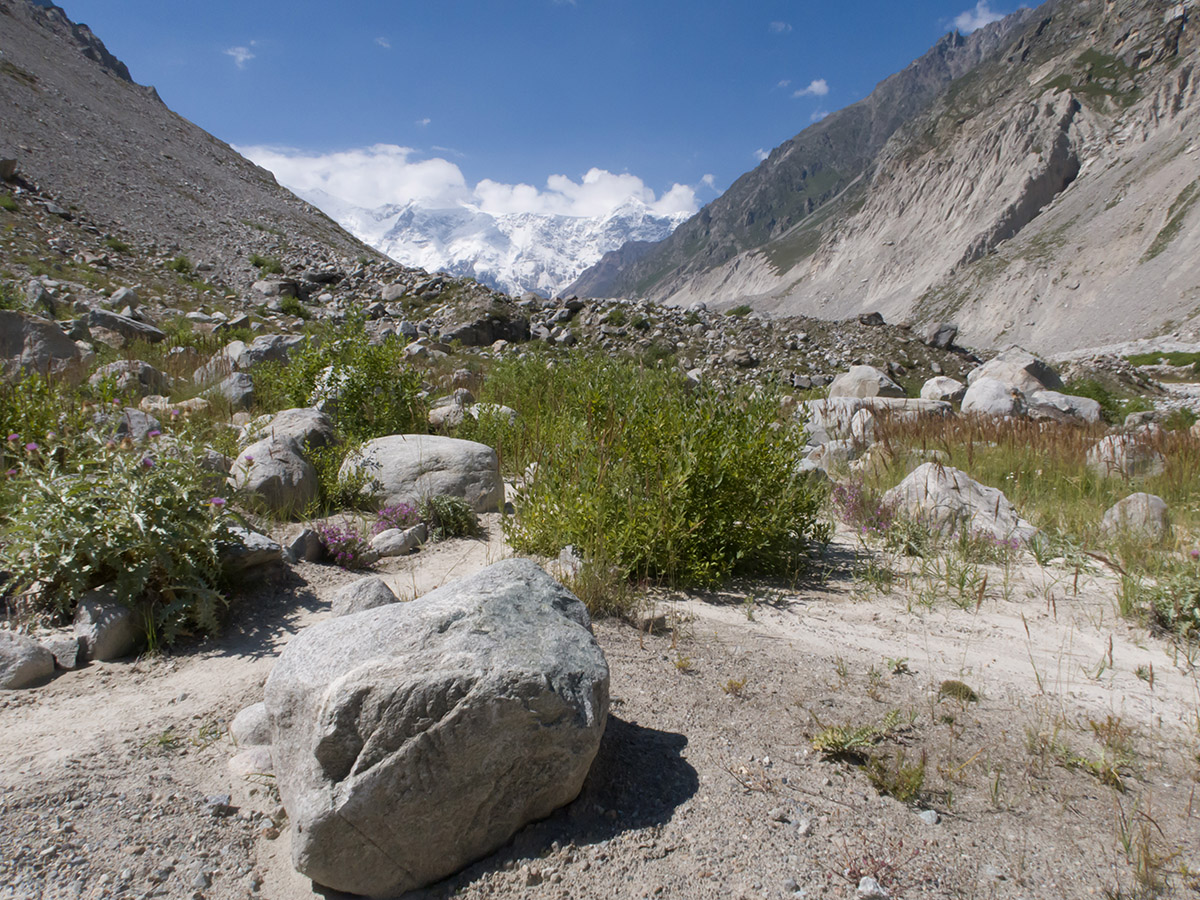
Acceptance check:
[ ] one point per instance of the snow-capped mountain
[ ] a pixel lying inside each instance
(514, 252)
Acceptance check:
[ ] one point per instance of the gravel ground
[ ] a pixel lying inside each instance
(116, 785)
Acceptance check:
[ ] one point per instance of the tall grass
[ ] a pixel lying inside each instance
(1041, 467)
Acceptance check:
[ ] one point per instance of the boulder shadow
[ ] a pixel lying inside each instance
(638, 779)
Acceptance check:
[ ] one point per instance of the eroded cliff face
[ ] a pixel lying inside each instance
(1048, 197)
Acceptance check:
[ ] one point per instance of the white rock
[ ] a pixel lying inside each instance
(948, 500)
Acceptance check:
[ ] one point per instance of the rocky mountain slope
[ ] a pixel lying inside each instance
(110, 152)
(515, 252)
(1035, 181)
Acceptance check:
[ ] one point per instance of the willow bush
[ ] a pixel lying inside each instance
(648, 475)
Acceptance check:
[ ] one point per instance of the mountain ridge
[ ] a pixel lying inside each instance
(1027, 202)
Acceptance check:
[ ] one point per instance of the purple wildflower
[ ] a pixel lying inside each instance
(154, 432)
(31, 447)
(13, 438)
(11, 472)
(216, 502)
(148, 462)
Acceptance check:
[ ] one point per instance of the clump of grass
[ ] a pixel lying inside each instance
(180, 264)
(116, 245)
(9, 298)
(8, 204)
(268, 265)
(893, 775)
(740, 311)
(1042, 469)
(448, 517)
(354, 490)
(617, 318)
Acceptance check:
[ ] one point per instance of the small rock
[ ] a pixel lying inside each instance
(23, 661)
(929, 816)
(870, 889)
(366, 593)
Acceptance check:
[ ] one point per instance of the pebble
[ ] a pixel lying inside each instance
(929, 816)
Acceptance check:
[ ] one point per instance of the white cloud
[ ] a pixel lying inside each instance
(710, 181)
(981, 15)
(598, 193)
(421, 123)
(818, 87)
(786, 82)
(760, 154)
(818, 115)
(384, 43)
(368, 177)
(241, 55)
(385, 173)
(780, 27)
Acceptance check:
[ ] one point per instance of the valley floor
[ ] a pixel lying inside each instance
(1073, 772)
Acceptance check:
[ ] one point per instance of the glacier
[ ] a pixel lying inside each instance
(513, 252)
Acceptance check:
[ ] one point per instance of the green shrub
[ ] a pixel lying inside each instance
(293, 307)
(355, 491)
(116, 245)
(448, 517)
(8, 203)
(740, 311)
(140, 520)
(657, 479)
(269, 265)
(180, 264)
(31, 407)
(374, 386)
(617, 318)
(9, 298)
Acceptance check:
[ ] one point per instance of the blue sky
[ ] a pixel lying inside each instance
(458, 94)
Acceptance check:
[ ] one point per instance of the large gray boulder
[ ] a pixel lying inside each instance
(411, 467)
(831, 419)
(413, 739)
(1018, 368)
(23, 661)
(941, 335)
(1078, 409)
(275, 468)
(992, 397)
(1126, 456)
(942, 387)
(1139, 513)
(127, 328)
(132, 375)
(864, 381)
(246, 551)
(33, 344)
(948, 500)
